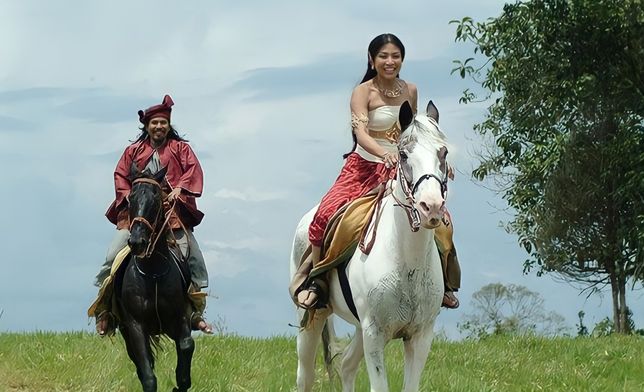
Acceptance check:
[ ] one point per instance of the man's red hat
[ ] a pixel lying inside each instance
(162, 110)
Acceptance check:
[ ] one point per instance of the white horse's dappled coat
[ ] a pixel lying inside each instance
(398, 287)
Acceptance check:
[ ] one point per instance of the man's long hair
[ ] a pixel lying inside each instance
(173, 134)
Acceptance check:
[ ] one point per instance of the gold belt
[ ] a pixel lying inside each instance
(392, 134)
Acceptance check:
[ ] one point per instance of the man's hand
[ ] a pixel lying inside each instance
(172, 196)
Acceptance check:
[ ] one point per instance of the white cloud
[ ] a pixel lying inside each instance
(224, 264)
(250, 195)
(251, 243)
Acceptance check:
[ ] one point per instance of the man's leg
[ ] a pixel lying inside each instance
(198, 276)
(197, 263)
(118, 242)
(104, 319)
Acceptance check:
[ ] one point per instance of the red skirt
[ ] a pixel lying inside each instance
(357, 177)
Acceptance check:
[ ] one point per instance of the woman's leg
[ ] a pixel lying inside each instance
(356, 178)
(308, 297)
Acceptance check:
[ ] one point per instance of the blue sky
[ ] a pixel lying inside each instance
(262, 92)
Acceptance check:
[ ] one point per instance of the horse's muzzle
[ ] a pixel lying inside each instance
(138, 246)
(431, 223)
(431, 213)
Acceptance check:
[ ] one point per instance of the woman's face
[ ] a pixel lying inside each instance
(388, 61)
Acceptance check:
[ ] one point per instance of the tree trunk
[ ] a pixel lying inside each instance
(614, 286)
(623, 317)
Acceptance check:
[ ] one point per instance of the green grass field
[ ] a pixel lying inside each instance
(83, 362)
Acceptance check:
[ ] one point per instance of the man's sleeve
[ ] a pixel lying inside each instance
(191, 180)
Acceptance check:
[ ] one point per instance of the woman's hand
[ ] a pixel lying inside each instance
(389, 159)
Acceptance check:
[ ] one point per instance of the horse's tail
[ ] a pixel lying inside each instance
(329, 346)
(326, 346)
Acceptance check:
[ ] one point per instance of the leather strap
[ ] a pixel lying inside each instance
(346, 289)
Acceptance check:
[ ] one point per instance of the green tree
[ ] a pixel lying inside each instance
(510, 310)
(565, 133)
(582, 330)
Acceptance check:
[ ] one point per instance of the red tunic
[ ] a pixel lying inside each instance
(184, 171)
(357, 177)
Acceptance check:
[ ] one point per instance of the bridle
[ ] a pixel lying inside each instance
(409, 189)
(155, 231)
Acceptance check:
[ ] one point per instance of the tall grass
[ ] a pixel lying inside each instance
(83, 362)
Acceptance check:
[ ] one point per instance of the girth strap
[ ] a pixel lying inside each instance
(346, 289)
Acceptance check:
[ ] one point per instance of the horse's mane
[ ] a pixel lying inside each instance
(425, 130)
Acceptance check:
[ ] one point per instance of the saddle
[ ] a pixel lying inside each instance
(105, 300)
(345, 231)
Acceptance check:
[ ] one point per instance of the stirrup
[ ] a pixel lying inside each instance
(195, 319)
(313, 288)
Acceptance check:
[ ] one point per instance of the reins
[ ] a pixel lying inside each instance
(155, 233)
(412, 212)
(413, 215)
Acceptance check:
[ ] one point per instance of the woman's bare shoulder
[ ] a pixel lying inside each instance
(363, 87)
(361, 91)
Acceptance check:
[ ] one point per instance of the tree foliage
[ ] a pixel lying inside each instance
(510, 310)
(566, 132)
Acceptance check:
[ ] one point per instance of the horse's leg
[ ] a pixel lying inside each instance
(185, 348)
(138, 348)
(351, 361)
(307, 344)
(416, 352)
(374, 355)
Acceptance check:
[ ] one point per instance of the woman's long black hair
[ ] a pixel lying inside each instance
(374, 47)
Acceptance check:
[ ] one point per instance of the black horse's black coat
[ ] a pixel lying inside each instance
(151, 292)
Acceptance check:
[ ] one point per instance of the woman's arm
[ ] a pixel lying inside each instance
(360, 122)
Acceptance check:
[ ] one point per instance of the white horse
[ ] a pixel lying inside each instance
(398, 287)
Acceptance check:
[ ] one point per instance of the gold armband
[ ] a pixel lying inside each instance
(357, 119)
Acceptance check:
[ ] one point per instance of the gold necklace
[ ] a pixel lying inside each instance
(391, 93)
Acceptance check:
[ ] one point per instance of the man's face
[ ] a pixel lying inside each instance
(158, 129)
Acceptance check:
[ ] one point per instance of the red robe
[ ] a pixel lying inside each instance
(184, 171)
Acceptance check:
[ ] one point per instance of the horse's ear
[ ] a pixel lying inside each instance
(442, 158)
(134, 171)
(406, 115)
(432, 111)
(160, 175)
(442, 153)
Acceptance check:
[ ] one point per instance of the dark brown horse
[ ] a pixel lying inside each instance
(151, 291)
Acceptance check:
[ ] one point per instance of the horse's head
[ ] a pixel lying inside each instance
(145, 210)
(422, 169)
